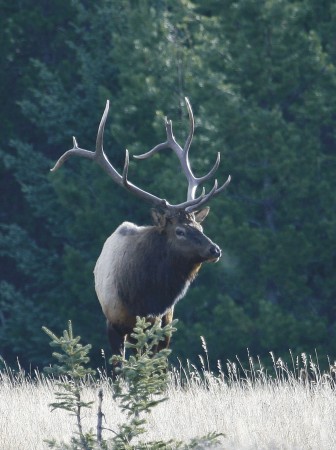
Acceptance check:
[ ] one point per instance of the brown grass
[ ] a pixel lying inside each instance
(254, 410)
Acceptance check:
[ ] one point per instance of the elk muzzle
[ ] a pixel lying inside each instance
(214, 253)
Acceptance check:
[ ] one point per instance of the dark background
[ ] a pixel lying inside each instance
(261, 78)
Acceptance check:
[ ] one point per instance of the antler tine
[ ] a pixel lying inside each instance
(189, 203)
(224, 185)
(211, 173)
(125, 181)
(125, 169)
(100, 134)
(169, 143)
(192, 126)
(203, 199)
(193, 205)
(151, 152)
(75, 150)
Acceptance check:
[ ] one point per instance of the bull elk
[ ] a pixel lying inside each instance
(145, 270)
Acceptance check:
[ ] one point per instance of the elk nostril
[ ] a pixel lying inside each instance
(215, 251)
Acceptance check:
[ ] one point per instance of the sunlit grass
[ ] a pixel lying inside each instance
(284, 409)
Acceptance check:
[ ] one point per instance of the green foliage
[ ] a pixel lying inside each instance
(145, 374)
(261, 77)
(71, 369)
(140, 386)
(73, 358)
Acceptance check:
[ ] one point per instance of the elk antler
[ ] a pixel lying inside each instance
(192, 203)
(183, 155)
(100, 157)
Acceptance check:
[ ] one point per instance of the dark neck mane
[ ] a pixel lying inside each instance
(162, 279)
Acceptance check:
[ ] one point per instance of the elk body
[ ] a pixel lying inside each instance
(145, 270)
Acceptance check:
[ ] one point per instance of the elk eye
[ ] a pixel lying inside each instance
(180, 232)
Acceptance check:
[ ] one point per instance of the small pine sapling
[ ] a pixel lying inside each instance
(142, 384)
(142, 380)
(71, 371)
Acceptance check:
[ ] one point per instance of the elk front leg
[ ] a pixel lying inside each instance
(116, 336)
(166, 319)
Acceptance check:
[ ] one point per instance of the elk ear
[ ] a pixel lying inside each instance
(201, 215)
(159, 218)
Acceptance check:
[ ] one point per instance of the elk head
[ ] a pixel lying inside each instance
(185, 235)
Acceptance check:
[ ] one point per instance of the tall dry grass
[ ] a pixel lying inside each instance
(287, 409)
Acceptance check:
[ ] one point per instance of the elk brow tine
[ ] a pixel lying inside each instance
(203, 200)
(221, 188)
(224, 185)
(211, 194)
(188, 203)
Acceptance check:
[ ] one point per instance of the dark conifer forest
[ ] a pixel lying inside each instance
(261, 78)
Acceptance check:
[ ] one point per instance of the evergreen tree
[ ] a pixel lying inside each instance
(261, 79)
(273, 106)
(30, 268)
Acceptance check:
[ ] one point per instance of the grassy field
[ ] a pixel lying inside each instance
(253, 410)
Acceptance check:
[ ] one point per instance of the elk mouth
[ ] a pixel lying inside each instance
(213, 260)
(214, 253)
